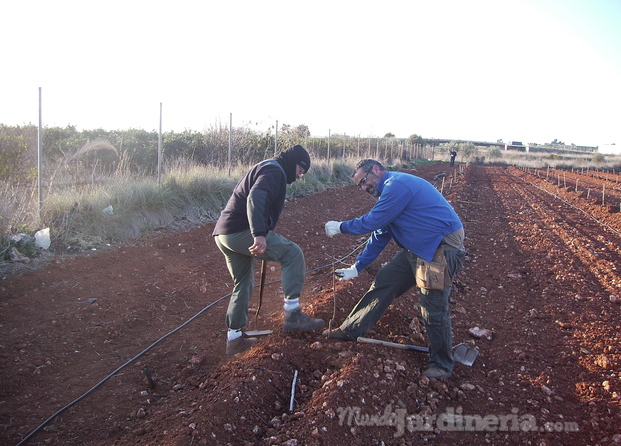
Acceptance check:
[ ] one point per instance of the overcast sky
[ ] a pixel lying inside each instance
(528, 70)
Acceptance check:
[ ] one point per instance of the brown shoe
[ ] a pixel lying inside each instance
(239, 345)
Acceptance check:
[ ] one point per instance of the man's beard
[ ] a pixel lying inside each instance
(373, 192)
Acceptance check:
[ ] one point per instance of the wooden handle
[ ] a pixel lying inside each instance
(384, 343)
(392, 344)
(262, 284)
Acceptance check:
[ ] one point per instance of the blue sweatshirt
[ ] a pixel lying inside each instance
(411, 211)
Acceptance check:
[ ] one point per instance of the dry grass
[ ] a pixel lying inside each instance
(86, 211)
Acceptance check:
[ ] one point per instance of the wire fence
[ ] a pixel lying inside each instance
(69, 156)
(220, 147)
(37, 161)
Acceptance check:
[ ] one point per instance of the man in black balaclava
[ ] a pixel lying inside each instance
(290, 159)
(245, 230)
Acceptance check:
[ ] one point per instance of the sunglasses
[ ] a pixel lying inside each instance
(364, 180)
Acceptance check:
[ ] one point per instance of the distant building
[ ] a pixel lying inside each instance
(516, 145)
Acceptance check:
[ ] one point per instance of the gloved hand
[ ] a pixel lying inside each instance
(333, 228)
(347, 273)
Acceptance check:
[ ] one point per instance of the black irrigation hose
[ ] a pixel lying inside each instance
(118, 370)
(100, 383)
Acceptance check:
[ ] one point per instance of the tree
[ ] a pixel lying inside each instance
(302, 130)
(140, 148)
(187, 144)
(467, 148)
(12, 148)
(61, 142)
(416, 139)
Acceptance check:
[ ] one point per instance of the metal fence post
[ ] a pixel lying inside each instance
(276, 140)
(230, 143)
(159, 152)
(40, 160)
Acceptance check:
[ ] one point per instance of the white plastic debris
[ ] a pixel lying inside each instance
(481, 333)
(42, 238)
(20, 238)
(109, 210)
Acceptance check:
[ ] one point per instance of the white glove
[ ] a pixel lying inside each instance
(347, 273)
(333, 228)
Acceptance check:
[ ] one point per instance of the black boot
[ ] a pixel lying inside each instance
(296, 320)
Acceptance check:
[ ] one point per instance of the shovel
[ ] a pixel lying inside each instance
(256, 332)
(461, 353)
(464, 354)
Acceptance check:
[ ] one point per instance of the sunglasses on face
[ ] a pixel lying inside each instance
(364, 180)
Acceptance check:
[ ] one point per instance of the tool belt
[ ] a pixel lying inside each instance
(433, 275)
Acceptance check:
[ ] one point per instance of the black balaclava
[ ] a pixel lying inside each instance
(288, 159)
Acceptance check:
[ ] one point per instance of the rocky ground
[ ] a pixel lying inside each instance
(132, 339)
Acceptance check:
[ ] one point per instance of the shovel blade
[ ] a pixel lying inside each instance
(464, 354)
(252, 333)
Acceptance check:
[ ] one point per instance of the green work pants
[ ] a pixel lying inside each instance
(393, 280)
(240, 264)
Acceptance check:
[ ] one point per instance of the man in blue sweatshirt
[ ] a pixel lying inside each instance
(245, 230)
(418, 218)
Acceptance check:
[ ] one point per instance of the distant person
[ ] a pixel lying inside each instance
(453, 156)
(420, 220)
(245, 230)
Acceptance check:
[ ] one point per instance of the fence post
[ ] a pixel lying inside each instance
(159, 152)
(328, 145)
(276, 140)
(40, 160)
(230, 130)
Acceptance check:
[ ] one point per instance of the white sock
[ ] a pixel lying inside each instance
(291, 304)
(233, 334)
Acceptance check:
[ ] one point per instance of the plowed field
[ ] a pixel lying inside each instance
(133, 338)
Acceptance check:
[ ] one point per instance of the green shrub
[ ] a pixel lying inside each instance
(494, 152)
(12, 149)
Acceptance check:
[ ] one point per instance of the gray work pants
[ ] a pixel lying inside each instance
(240, 264)
(393, 280)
